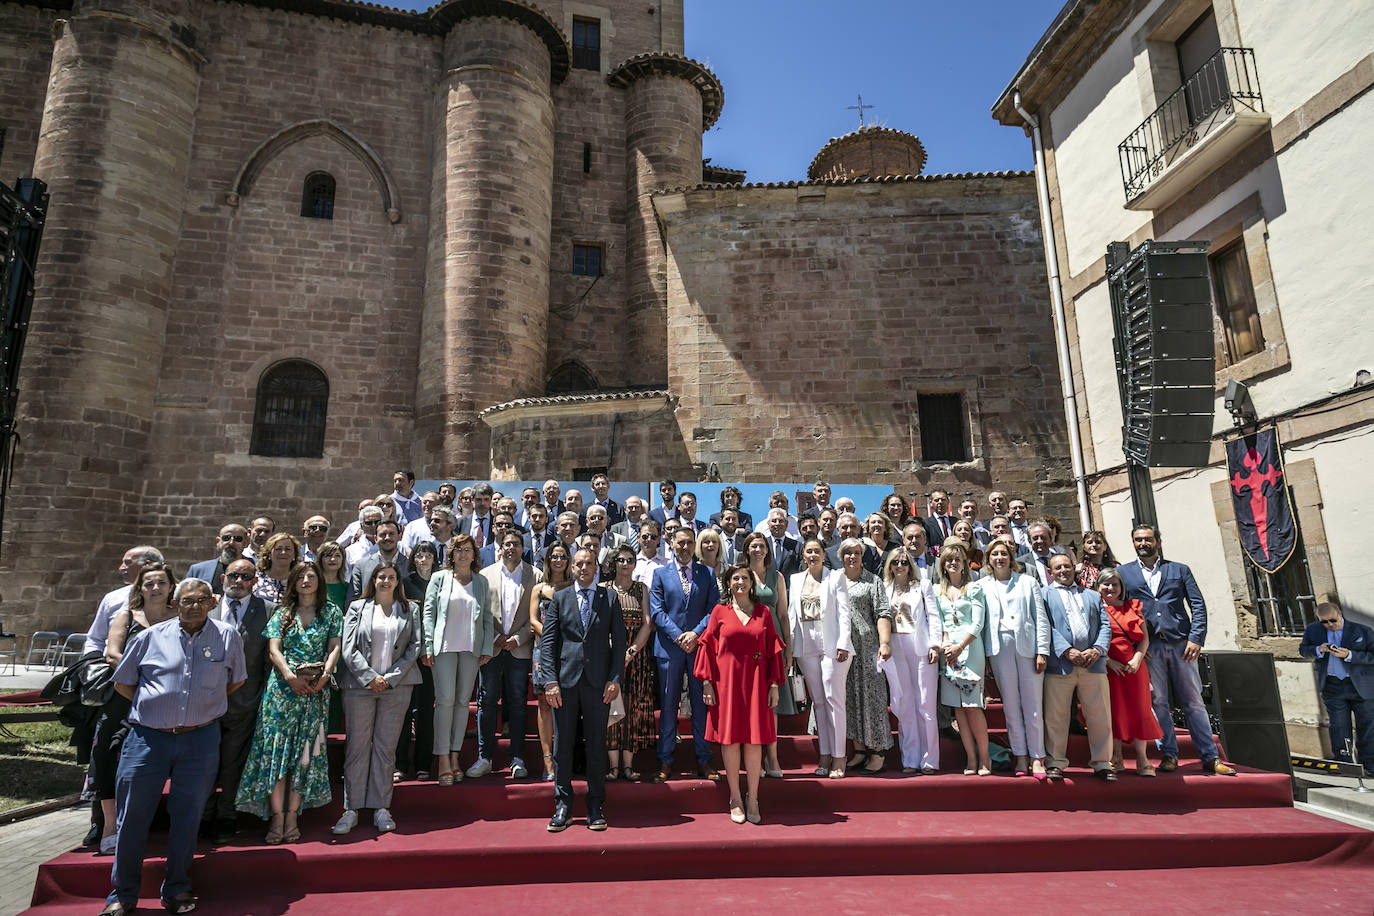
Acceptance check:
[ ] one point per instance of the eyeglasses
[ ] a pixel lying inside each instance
(316, 527)
(901, 562)
(371, 524)
(197, 602)
(238, 538)
(1328, 621)
(626, 560)
(240, 577)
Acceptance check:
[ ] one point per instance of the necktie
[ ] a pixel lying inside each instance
(439, 549)
(479, 532)
(777, 553)
(634, 538)
(585, 605)
(944, 525)
(235, 607)
(685, 574)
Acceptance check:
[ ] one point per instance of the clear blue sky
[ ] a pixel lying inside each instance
(930, 68)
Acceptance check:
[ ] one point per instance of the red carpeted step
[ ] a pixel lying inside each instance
(816, 841)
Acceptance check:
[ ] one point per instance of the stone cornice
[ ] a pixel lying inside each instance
(864, 134)
(642, 65)
(451, 12)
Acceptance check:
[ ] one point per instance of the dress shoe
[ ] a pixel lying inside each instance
(1168, 764)
(1105, 774)
(92, 837)
(225, 828)
(706, 771)
(595, 819)
(1218, 768)
(664, 773)
(560, 819)
(1054, 774)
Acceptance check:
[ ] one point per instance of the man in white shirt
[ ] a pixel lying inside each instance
(259, 530)
(1016, 517)
(649, 558)
(134, 559)
(314, 532)
(821, 492)
(366, 545)
(504, 677)
(1080, 634)
(778, 500)
(354, 529)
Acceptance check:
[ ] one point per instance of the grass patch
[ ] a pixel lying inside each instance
(36, 763)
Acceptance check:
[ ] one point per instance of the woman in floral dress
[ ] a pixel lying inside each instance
(638, 731)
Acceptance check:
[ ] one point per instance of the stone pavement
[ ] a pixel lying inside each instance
(27, 844)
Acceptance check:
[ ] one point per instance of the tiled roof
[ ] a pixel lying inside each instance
(868, 132)
(840, 182)
(719, 174)
(592, 397)
(641, 65)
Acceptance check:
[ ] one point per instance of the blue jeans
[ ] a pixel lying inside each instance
(1167, 668)
(504, 680)
(1343, 701)
(150, 758)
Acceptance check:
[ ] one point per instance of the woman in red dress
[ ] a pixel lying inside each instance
(739, 661)
(1128, 679)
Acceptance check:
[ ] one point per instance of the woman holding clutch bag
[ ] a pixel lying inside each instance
(638, 730)
(287, 768)
(962, 614)
(770, 590)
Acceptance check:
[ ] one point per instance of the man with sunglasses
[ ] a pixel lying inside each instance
(650, 558)
(366, 545)
(230, 543)
(314, 533)
(1344, 653)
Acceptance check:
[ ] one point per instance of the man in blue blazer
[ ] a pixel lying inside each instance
(681, 597)
(1079, 633)
(667, 491)
(1344, 652)
(229, 542)
(582, 660)
(1167, 592)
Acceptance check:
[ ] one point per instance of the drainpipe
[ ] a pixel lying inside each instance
(1042, 187)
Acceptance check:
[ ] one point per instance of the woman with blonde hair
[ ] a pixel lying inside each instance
(1017, 642)
(962, 616)
(914, 651)
(821, 642)
(710, 550)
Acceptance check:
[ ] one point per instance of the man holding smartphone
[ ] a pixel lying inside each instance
(1344, 652)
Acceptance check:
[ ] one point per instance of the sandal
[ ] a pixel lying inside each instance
(629, 775)
(873, 758)
(274, 830)
(291, 832)
(181, 903)
(118, 909)
(445, 779)
(823, 766)
(1145, 770)
(613, 774)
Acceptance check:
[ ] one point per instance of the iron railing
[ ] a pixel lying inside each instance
(1227, 79)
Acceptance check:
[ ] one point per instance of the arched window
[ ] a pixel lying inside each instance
(293, 398)
(317, 196)
(570, 378)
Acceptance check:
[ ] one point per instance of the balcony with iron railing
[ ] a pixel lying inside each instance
(1216, 112)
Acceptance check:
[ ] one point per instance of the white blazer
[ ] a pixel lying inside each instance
(834, 595)
(925, 612)
(1033, 619)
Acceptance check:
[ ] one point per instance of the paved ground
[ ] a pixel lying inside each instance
(27, 844)
(25, 678)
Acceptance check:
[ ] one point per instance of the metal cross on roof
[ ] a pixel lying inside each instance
(860, 109)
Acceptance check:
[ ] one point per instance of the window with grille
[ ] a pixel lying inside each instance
(317, 196)
(1237, 310)
(1284, 601)
(587, 260)
(289, 420)
(942, 427)
(586, 44)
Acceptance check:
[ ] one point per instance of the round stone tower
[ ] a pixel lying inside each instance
(669, 102)
(114, 148)
(869, 152)
(484, 330)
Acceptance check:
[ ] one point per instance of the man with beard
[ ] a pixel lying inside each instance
(230, 543)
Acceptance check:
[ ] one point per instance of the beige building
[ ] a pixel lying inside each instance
(1247, 124)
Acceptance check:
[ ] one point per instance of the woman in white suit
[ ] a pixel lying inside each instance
(459, 632)
(913, 676)
(381, 643)
(818, 609)
(1016, 641)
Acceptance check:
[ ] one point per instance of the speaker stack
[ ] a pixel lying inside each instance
(1165, 354)
(1241, 691)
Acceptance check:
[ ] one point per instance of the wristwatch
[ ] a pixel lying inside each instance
(632, 651)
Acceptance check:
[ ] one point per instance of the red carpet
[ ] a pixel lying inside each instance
(886, 843)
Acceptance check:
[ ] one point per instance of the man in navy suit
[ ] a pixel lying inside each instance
(1167, 592)
(540, 534)
(230, 542)
(478, 525)
(848, 528)
(1344, 652)
(785, 550)
(501, 522)
(667, 491)
(601, 490)
(1080, 633)
(940, 524)
(582, 659)
(687, 512)
(681, 598)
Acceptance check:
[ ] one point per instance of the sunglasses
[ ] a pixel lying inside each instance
(316, 527)
(901, 562)
(240, 577)
(371, 524)
(626, 560)
(238, 538)
(1328, 622)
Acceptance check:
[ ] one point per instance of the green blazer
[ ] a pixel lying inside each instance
(436, 613)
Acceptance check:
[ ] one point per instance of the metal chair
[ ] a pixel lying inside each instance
(44, 642)
(73, 647)
(9, 648)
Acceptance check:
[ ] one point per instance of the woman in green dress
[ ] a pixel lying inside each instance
(287, 768)
(332, 561)
(963, 612)
(770, 589)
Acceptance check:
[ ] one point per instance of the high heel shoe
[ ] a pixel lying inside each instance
(751, 807)
(856, 761)
(274, 830)
(736, 812)
(877, 757)
(548, 768)
(291, 833)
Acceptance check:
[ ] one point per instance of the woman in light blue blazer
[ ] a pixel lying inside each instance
(1016, 641)
(381, 643)
(459, 632)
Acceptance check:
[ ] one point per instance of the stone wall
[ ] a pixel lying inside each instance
(25, 57)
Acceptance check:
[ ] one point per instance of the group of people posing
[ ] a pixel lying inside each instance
(607, 614)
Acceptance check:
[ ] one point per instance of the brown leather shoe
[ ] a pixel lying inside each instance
(708, 772)
(1168, 764)
(664, 772)
(1219, 768)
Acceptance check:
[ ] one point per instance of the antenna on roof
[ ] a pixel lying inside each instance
(860, 109)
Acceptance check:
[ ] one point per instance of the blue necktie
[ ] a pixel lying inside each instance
(585, 604)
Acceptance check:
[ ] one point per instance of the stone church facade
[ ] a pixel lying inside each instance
(478, 241)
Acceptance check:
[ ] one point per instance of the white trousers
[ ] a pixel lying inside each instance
(1022, 698)
(825, 681)
(918, 684)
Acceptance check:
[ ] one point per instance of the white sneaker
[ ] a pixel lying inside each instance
(383, 820)
(517, 769)
(347, 822)
(107, 845)
(481, 768)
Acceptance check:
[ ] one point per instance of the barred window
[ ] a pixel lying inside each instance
(1285, 602)
(942, 427)
(289, 421)
(317, 196)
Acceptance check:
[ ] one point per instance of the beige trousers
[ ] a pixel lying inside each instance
(1095, 699)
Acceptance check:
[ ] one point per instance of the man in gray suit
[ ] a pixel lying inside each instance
(582, 661)
(1079, 633)
(634, 514)
(388, 551)
(240, 608)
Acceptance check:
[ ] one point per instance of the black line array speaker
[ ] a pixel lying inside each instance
(1241, 690)
(1165, 352)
